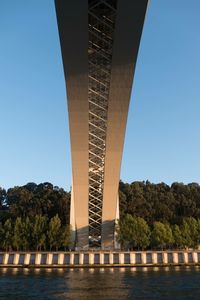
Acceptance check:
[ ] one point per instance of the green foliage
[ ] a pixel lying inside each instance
(42, 199)
(39, 232)
(36, 217)
(160, 202)
(65, 236)
(1, 236)
(134, 232)
(177, 235)
(54, 233)
(34, 234)
(2, 198)
(161, 235)
(22, 234)
(7, 235)
(190, 232)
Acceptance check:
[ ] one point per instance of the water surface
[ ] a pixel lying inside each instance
(172, 283)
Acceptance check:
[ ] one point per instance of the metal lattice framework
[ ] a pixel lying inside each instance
(101, 23)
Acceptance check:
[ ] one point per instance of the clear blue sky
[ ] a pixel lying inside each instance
(163, 130)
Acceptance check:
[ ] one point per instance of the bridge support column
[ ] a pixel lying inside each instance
(98, 103)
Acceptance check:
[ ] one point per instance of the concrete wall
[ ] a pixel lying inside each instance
(88, 259)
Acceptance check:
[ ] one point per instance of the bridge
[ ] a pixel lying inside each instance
(99, 42)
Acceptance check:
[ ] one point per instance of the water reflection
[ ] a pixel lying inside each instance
(26, 271)
(103, 283)
(3, 270)
(91, 270)
(14, 271)
(37, 270)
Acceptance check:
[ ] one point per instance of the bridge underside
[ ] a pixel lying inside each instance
(99, 42)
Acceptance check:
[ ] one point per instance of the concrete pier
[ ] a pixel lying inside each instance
(175, 258)
(81, 259)
(121, 258)
(99, 258)
(91, 258)
(49, 258)
(5, 258)
(132, 258)
(154, 258)
(38, 258)
(16, 259)
(185, 258)
(143, 258)
(61, 258)
(111, 260)
(195, 257)
(27, 259)
(165, 258)
(71, 258)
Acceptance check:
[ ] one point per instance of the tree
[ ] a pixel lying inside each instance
(65, 236)
(38, 232)
(22, 234)
(161, 235)
(177, 236)
(42, 199)
(134, 232)
(177, 205)
(8, 235)
(190, 232)
(17, 241)
(2, 198)
(54, 233)
(1, 236)
(4, 214)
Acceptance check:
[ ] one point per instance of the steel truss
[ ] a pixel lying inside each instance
(101, 24)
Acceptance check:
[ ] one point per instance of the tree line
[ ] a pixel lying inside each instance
(135, 234)
(34, 199)
(160, 202)
(158, 206)
(34, 217)
(37, 233)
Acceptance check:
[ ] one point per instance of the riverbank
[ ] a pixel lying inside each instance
(98, 259)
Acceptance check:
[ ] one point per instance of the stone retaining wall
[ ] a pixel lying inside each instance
(98, 258)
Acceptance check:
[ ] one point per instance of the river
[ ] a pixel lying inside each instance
(173, 283)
